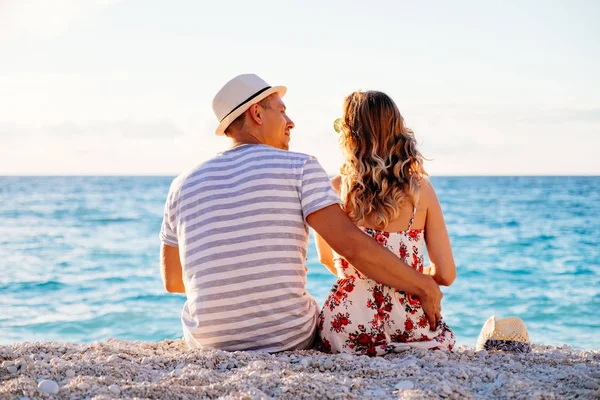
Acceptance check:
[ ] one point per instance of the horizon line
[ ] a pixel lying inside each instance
(592, 175)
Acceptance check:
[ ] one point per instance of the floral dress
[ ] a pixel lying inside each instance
(364, 317)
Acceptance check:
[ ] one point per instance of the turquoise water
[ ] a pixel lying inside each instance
(79, 258)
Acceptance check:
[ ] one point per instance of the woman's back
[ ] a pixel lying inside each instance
(414, 226)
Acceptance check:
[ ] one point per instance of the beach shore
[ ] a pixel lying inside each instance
(168, 370)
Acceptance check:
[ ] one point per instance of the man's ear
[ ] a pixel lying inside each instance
(255, 113)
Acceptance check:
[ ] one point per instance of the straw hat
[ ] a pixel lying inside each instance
(238, 95)
(508, 334)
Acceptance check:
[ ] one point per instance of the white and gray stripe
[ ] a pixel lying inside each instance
(239, 221)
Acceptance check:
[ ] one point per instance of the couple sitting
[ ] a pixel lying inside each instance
(235, 233)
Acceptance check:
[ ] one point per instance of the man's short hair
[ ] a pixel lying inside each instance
(240, 121)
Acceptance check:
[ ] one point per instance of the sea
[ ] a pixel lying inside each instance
(79, 258)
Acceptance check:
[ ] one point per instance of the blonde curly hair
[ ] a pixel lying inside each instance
(382, 166)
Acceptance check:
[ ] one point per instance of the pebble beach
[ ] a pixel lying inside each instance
(116, 369)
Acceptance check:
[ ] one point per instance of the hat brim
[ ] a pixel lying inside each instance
(220, 131)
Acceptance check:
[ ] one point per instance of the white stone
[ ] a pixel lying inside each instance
(48, 386)
(12, 369)
(114, 389)
(405, 385)
(482, 353)
(112, 358)
(328, 364)
(83, 386)
(6, 364)
(70, 373)
(446, 388)
(306, 362)
(260, 364)
(591, 385)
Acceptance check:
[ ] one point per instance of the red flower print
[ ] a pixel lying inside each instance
(402, 337)
(335, 325)
(378, 295)
(326, 346)
(359, 312)
(415, 263)
(403, 251)
(381, 239)
(363, 339)
(413, 300)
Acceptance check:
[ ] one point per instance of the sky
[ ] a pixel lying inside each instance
(125, 87)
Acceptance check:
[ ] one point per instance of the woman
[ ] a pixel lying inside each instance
(386, 192)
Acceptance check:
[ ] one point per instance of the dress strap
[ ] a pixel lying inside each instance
(412, 218)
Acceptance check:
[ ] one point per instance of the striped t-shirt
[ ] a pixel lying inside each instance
(239, 221)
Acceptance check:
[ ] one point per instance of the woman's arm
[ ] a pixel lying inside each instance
(442, 269)
(323, 248)
(325, 253)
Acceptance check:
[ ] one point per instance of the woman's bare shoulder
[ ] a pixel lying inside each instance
(336, 182)
(427, 193)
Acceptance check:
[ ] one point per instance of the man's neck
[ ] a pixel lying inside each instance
(243, 139)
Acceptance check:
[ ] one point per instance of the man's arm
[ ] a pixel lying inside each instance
(170, 268)
(373, 260)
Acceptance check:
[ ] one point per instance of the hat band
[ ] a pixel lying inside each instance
(245, 101)
(507, 345)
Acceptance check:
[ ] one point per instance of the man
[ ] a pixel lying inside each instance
(235, 233)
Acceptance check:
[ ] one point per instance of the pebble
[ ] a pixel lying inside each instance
(12, 369)
(446, 388)
(405, 385)
(114, 389)
(306, 362)
(482, 353)
(462, 374)
(580, 367)
(591, 385)
(48, 386)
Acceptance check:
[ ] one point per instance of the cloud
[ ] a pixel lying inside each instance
(43, 19)
(12, 130)
(156, 129)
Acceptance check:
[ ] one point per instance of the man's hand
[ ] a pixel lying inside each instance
(431, 301)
